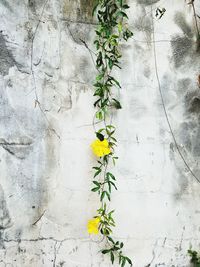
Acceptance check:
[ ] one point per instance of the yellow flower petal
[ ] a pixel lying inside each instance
(92, 226)
(100, 148)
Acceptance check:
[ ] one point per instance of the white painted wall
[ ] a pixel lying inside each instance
(157, 204)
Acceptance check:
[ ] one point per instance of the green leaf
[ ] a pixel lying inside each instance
(95, 189)
(102, 195)
(112, 257)
(97, 183)
(100, 136)
(105, 251)
(116, 104)
(129, 261)
(115, 140)
(96, 168)
(110, 126)
(110, 63)
(110, 175)
(123, 14)
(99, 115)
(108, 195)
(120, 27)
(96, 102)
(125, 6)
(116, 82)
(97, 173)
(110, 239)
(117, 66)
(111, 212)
(106, 232)
(109, 187)
(113, 185)
(123, 262)
(127, 34)
(99, 77)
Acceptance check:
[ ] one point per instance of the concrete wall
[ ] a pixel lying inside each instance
(45, 198)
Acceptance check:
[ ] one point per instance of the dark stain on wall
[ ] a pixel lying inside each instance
(180, 21)
(194, 104)
(5, 220)
(181, 48)
(189, 135)
(32, 5)
(147, 2)
(6, 57)
(184, 47)
(78, 11)
(86, 8)
(144, 23)
(6, 5)
(189, 131)
(183, 85)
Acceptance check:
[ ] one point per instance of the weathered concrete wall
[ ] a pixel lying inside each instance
(45, 198)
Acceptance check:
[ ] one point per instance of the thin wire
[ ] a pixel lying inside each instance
(163, 104)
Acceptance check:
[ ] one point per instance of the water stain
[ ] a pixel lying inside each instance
(86, 7)
(192, 101)
(181, 22)
(78, 11)
(6, 5)
(32, 5)
(147, 2)
(181, 49)
(184, 85)
(5, 220)
(195, 105)
(6, 57)
(184, 47)
(143, 23)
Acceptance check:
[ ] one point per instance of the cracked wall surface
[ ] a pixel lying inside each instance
(46, 100)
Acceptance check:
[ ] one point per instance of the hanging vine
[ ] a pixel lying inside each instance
(111, 30)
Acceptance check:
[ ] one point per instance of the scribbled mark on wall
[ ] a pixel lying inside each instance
(16, 149)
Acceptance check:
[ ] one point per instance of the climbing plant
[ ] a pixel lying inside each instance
(111, 30)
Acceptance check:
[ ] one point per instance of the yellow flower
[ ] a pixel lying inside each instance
(92, 226)
(100, 148)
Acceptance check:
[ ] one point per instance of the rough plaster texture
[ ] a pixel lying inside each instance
(45, 198)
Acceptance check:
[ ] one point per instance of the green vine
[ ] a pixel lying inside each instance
(111, 30)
